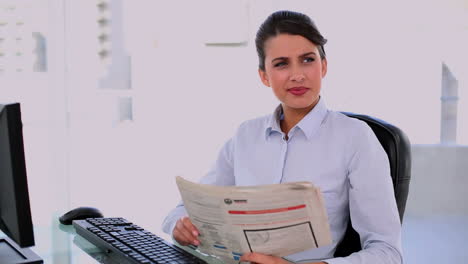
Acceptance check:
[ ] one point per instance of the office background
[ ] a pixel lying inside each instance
(119, 97)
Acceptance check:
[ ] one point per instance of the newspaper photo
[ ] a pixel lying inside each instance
(276, 219)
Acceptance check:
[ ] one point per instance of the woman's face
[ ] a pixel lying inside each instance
(294, 70)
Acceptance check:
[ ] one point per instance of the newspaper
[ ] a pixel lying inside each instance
(276, 219)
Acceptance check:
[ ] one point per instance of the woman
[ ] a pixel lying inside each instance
(304, 141)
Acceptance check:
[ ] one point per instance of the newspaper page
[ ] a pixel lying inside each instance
(276, 219)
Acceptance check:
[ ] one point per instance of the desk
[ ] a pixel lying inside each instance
(59, 244)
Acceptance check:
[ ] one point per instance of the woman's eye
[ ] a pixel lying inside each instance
(280, 64)
(309, 59)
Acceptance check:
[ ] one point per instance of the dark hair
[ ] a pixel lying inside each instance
(287, 22)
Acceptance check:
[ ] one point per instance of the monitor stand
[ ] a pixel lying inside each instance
(10, 252)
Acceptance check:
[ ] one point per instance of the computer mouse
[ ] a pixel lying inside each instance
(80, 213)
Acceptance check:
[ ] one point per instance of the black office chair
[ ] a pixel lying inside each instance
(398, 149)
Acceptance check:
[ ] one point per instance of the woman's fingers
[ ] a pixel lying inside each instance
(180, 237)
(185, 232)
(189, 225)
(256, 258)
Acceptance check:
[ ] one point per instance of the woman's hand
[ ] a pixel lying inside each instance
(265, 259)
(185, 232)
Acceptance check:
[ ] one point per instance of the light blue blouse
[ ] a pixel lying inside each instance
(340, 155)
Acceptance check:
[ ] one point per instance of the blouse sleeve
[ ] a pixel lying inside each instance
(373, 210)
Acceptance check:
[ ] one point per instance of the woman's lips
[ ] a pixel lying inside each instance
(298, 90)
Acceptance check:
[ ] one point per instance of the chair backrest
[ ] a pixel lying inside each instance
(396, 144)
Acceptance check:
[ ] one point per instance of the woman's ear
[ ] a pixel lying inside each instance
(264, 77)
(324, 67)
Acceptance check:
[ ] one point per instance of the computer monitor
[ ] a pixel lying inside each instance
(15, 213)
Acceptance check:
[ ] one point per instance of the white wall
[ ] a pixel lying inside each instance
(438, 183)
(42, 98)
(437, 210)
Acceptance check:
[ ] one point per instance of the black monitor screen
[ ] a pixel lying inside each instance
(15, 213)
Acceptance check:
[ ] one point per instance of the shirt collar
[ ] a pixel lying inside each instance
(309, 124)
(273, 124)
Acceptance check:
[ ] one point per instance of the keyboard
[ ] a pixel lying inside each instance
(131, 242)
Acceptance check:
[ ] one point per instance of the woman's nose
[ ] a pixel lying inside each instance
(297, 73)
(297, 77)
